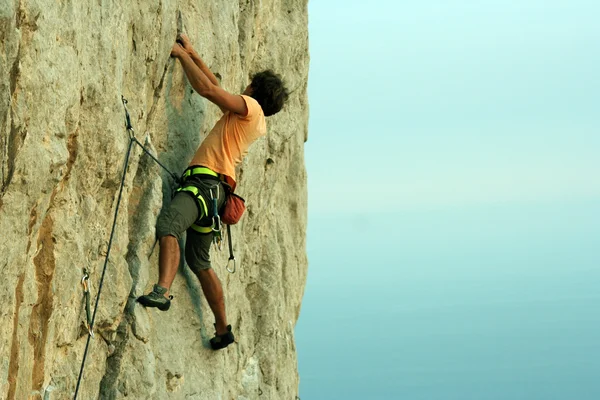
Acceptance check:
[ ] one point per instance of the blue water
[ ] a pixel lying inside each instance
(485, 303)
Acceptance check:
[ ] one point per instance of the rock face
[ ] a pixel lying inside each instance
(63, 68)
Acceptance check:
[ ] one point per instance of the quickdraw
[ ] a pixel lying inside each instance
(85, 282)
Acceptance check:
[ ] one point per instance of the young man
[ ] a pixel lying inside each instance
(215, 160)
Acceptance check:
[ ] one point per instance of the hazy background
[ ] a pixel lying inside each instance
(454, 201)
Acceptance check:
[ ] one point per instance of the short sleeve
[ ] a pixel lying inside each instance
(254, 109)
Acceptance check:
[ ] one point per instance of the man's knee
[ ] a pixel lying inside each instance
(167, 239)
(204, 271)
(199, 267)
(165, 227)
(197, 251)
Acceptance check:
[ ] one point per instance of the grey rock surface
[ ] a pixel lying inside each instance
(63, 68)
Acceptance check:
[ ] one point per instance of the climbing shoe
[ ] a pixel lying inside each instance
(222, 341)
(156, 298)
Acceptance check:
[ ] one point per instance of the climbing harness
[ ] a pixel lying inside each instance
(85, 280)
(216, 224)
(233, 209)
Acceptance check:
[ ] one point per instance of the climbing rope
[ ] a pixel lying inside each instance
(134, 139)
(85, 279)
(112, 232)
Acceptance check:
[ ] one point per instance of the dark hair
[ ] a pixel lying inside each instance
(269, 91)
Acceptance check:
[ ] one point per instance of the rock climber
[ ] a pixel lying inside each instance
(192, 209)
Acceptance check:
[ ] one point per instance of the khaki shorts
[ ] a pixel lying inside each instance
(179, 215)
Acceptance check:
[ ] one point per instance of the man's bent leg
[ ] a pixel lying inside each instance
(168, 261)
(173, 221)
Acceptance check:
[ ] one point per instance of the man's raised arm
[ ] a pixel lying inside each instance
(187, 45)
(205, 87)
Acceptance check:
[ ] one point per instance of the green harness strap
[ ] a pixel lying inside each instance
(194, 191)
(199, 170)
(201, 229)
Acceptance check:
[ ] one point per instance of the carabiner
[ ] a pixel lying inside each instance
(85, 281)
(232, 271)
(216, 226)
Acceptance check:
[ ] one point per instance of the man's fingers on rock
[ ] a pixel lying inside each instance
(184, 40)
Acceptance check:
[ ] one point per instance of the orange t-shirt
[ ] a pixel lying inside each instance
(228, 142)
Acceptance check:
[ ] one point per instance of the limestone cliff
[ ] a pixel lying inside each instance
(63, 68)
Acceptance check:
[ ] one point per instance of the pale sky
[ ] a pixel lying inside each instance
(450, 102)
(454, 201)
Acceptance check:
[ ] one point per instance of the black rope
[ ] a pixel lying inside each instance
(175, 177)
(132, 140)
